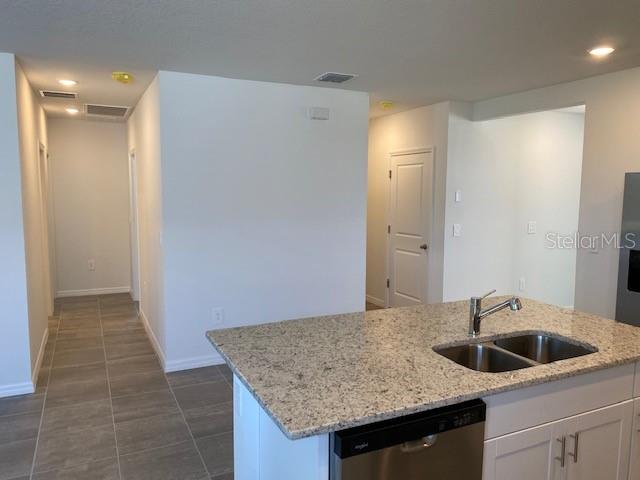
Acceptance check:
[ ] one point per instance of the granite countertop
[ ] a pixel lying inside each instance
(322, 374)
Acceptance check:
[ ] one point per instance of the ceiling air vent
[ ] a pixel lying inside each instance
(54, 94)
(334, 77)
(106, 110)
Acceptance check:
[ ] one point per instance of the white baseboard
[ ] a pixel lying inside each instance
(376, 301)
(177, 365)
(16, 389)
(152, 337)
(92, 291)
(36, 369)
(193, 362)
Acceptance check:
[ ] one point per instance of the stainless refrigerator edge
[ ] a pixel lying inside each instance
(628, 301)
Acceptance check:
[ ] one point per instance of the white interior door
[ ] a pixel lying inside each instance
(133, 226)
(410, 212)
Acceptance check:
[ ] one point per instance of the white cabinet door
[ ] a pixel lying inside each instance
(599, 443)
(634, 464)
(532, 454)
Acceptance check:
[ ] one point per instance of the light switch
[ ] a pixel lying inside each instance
(532, 227)
(457, 230)
(458, 196)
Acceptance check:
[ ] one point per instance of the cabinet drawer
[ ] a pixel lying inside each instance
(525, 408)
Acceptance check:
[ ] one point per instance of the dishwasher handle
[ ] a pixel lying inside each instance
(419, 445)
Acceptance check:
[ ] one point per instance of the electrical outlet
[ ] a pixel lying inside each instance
(92, 264)
(217, 316)
(523, 284)
(457, 230)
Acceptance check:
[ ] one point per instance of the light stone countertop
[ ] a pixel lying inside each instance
(322, 374)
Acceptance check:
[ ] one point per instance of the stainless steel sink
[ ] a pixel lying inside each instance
(513, 353)
(483, 357)
(543, 348)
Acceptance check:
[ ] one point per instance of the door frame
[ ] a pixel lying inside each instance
(398, 153)
(134, 228)
(47, 223)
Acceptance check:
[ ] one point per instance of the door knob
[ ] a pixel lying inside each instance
(424, 246)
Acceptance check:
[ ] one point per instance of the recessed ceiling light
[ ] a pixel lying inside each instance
(71, 111)
(67, 83)
(601, 51)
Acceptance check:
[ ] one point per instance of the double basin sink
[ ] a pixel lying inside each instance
(513, 353)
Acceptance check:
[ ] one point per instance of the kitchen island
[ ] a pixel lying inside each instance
(296, 382)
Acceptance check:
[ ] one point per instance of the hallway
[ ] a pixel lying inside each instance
(104, 410)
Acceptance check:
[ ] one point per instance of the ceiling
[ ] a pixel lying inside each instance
(94, 84)
(413, 52)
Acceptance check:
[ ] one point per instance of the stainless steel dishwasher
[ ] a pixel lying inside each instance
(441, 444)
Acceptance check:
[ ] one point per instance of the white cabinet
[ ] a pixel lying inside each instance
(634, 470)
(599, 443)
(594, 445)
(532, 454)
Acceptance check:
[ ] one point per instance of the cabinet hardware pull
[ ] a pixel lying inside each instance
(563, 449)
(576, 438)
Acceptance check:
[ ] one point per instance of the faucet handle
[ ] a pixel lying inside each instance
(485, 295)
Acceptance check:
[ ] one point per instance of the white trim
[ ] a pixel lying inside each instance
(193, 362)
(152, 337)
(134, 228)
(376, 301)
(38, 365)
(16, 389)
(92, 291)
(411, 151)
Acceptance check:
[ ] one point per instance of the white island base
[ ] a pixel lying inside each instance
(263, 452)
(523, 433)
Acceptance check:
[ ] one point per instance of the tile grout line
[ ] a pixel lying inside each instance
(46, 392)
(230, 383)
(184, 419)
(106, 366)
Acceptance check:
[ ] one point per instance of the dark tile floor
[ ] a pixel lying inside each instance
(104, 410)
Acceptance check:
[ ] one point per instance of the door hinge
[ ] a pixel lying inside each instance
(387, 283)
(389, 174)
(388, 228)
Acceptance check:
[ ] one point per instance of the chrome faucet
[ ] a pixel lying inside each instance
(476, 314)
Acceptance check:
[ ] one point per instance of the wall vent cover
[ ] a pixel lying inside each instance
(54, 94)
(334, 77)
(106, 110)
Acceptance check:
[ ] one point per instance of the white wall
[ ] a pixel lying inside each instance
(33, 133)
(421, 127)
(511, 171)
(611, 148)
(143, 128)
(263, 209)
(14, 340)
(91, 198)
